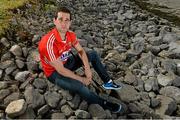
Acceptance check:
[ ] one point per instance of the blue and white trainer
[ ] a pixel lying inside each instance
(111, 86)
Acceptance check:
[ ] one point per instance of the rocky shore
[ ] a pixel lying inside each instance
(140, 51)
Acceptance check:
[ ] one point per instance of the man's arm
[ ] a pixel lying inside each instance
(58, 65)
(85, 61)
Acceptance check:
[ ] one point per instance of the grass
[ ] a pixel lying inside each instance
(6, 7)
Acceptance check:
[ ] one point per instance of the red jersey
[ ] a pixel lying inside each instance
(52, 47)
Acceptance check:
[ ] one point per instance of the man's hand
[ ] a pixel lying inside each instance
(86, 81)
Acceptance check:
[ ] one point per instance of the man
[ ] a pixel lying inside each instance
(58, 66)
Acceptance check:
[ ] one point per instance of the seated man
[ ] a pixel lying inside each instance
(58, 66)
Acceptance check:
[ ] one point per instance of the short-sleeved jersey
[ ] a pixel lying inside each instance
(52, 47)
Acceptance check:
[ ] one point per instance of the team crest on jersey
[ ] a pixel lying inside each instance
(64, 56)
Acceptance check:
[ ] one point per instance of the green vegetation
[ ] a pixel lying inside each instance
(6, 7)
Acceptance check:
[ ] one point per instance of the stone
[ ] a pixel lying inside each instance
(52, 98)
(22, 76)
(66, 109)
(97, 111)
(16, 108)
(16, 50)
(81, 114)
(5, 42)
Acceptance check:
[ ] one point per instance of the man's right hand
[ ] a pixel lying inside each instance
(86, 81)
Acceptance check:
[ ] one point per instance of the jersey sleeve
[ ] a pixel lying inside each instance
(50, 51)
(74, 39)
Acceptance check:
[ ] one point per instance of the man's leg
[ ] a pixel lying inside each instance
(99, 68)
(79, 88)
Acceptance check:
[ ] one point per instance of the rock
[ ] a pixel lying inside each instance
(128, 94)
(151, 84)
(16, 50)
(130, 78)
(4, 93)
(171, 91)
(20, 64)
(155, 41)
(40, 83)
(170, 37)
(176, 82)
(43, 110)
(97, 111)
(28, 114)
(165, 80)
(12, 97)
(35, 38)
(75, 102)
(9, 70)
(33, 97)
(3, 85)
(58, 116)
(52, 98)
(167, 107)
(1, 73)
(155, 102)
(16, 108)
(5, 42)
(66, 109)
(174, 49)
(81, 114)
(6, 56)
(22, 76)
(83, 105)
(6, 64)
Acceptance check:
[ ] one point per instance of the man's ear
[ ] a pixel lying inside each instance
(54, 21)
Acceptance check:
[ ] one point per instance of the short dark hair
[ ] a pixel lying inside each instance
(62, 9)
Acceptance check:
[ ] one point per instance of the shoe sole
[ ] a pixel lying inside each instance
(110, 88)
(119, 110)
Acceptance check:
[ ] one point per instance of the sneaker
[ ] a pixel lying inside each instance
(111, 86)
(114, 107)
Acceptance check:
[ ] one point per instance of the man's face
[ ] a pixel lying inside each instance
(62, 22)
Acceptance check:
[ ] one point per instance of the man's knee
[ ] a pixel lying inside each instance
(92, 55)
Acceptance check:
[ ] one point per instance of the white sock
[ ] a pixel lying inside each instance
(110, 81)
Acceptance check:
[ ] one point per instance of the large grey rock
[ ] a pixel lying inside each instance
(58, 116)
(5, 42)
(97, 111)
(165, 80)
(16, 50)
(52, 98)
(12, 97)
(170, 37)
(22, 76)
(171, 91)
(6, 56)
(66, 109)
(33, 97)
(20, 64)
(81, 114)
(167, 107)
(130, 78)
(40, 83)
(16, 108)
(151, 84)
(43, 110)
(128, 94)
(6, 64)
(3, 84)
(4, 93)
(28, 114)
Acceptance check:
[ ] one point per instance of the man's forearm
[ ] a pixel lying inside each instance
(68, 73)
(84, 59)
